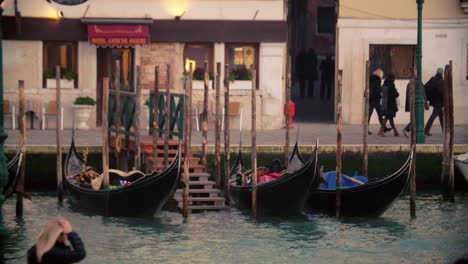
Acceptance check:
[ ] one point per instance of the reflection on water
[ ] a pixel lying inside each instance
(438, 235)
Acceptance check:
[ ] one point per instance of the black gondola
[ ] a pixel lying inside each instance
(144, 196)
(368, 200)
(14, 169)
(283, 196)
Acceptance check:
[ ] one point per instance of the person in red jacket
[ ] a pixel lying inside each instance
(50, 246)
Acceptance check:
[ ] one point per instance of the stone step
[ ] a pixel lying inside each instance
(208, 207)
(202, 199)
(201, 176)
(210, 191)
(194, 167)
(201, 183)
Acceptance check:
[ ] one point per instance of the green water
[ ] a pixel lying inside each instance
(438, 235)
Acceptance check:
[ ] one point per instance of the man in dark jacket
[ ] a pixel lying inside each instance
(435, 94)
(375, 95)
(410, 86)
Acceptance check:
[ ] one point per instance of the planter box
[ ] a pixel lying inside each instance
(82, 114)
(200, 85)
(64, 83)
(240, 85)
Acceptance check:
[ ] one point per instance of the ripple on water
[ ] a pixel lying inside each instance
(438, 235)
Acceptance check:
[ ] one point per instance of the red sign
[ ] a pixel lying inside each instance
(118, 35)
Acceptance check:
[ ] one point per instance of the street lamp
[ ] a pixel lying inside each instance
(419, 101)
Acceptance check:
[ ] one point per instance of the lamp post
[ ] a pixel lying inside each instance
(4, 232)
(419, 101)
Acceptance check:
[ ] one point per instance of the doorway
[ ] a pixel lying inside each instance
(106, 58)
(313, 59)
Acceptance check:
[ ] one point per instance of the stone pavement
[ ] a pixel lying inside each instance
(352, 134)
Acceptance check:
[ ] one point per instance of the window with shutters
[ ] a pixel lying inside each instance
(398, 60)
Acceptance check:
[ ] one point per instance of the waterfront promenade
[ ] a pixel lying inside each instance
(352, 135)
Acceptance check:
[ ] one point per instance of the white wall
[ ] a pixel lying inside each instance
(443, 40)
(23, 61)
(156, 9)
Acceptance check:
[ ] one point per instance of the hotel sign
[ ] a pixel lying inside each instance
(118, 35)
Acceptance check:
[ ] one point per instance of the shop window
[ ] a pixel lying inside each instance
(64, 54)
(398, 60)
(325, 19)
(241, 57)
(195, 56)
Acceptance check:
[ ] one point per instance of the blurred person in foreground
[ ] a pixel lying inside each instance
(50, 246)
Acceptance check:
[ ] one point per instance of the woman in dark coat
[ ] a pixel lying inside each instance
(389, 105)
(51, 248)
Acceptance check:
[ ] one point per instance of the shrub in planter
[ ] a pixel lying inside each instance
(199, 74)
(71, 75)
(84, 101)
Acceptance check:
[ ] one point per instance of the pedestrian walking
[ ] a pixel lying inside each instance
(375, 95)
(435, 94)
(327, 68)
(50, 246)
(412, 85)
(389, 105)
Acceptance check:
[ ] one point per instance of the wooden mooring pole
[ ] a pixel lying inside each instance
(156, 118)
(167, 115)
(187, 128)
(118, 139)
(339, 149)
(288, 112)
(413, 148)
(254, 143)
(22, 142)
(59, 135)
(137, 120)
(105, 132)
(227, 152)
(218, 125)
(365, 123)
(447, 163)
(205, 115)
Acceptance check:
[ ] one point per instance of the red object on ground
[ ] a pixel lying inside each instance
(292, 113)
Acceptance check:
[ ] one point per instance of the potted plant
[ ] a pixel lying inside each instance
(198, 80)
(240, 78)
(82, 111)
(67, 79)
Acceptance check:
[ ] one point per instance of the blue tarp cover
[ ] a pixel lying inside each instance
(345, 182)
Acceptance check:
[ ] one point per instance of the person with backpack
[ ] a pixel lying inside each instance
(389, 105)
(435, 94)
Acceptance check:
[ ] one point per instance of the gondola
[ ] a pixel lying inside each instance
(371, 199)
(283, 196)
(462, 163)
(145, 195)
(14, 168)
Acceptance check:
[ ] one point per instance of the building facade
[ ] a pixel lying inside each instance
(87, 37)
(385, 32)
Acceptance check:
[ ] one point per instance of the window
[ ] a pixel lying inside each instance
(195, 55)
(325, 19)
(398, 60)
(240, 58)
(64, 54)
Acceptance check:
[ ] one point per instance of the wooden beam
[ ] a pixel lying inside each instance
(59, 135)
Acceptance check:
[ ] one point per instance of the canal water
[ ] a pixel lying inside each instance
(439, 234)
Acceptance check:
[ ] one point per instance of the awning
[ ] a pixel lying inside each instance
(118, 35)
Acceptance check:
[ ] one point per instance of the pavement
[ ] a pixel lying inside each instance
(305, 132)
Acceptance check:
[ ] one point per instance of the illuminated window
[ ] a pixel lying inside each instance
(241, 58)
(398, 60)
(125, 57)
(195, 56)
(64, 54)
